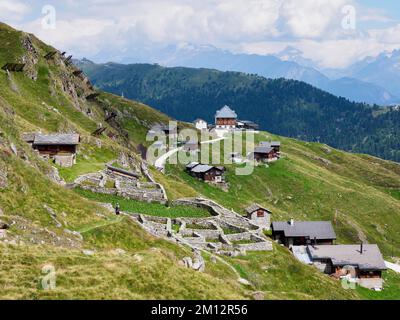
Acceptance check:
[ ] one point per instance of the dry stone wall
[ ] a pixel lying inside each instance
(208, 233)
(124, 186)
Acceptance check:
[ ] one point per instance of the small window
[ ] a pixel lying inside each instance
(260, 214)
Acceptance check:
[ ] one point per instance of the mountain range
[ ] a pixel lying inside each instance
(372, 81)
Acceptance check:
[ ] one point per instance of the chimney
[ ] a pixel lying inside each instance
(291, 222)
(361, 248)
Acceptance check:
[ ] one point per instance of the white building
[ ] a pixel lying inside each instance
(200, 124)
(225, 118)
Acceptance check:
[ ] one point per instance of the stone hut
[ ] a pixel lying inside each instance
(259, 216)
(59, 147)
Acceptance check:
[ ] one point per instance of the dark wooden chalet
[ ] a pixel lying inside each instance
(299, 233)
(276, 145)
(264, 153)
(364, 262)
(60, 147)
(206, 172)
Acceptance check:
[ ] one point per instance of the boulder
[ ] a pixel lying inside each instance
(14, 148)
(244, 282)
(197, 263)
(88, 252)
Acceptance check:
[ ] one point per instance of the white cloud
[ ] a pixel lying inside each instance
(77, 36)
(389, 35)
(312, 18)
(11, 10)
(109, 28)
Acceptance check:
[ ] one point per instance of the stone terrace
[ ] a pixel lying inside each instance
(225, 232)
(109, 181)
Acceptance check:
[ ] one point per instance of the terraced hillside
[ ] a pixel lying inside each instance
(312, 181)
(99, 255)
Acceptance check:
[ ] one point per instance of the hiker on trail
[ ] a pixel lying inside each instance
(117, 209)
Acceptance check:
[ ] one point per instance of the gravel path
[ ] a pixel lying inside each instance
(393, 266)
(160, 162)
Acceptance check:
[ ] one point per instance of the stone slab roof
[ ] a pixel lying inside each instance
(226, 112)
(57, 139)
(270, 144)
(192, 165)
(341, 255)
(263, 149)
(254, 207)
(321, 230)
(201, 168)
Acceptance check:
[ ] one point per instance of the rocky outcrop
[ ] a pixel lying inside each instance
(54, 175)
(22, 231)
(197, 263)
(31, 58)
(53, 215)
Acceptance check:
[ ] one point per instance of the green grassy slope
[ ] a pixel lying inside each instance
(148, 269)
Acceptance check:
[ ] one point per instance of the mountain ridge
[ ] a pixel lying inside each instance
(286, 107)
(288, 64)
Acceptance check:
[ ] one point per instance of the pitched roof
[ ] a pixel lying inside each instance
(198, 120)
(254, 207)
(192, 165)
(57, 139)
(311, 229)
(263, 149)
(226, 112)
(163, 127)
(201, 168)
(341, 255)
(265, 144)
(270, 143)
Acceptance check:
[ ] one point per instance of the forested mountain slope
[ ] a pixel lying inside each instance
(285, 107)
